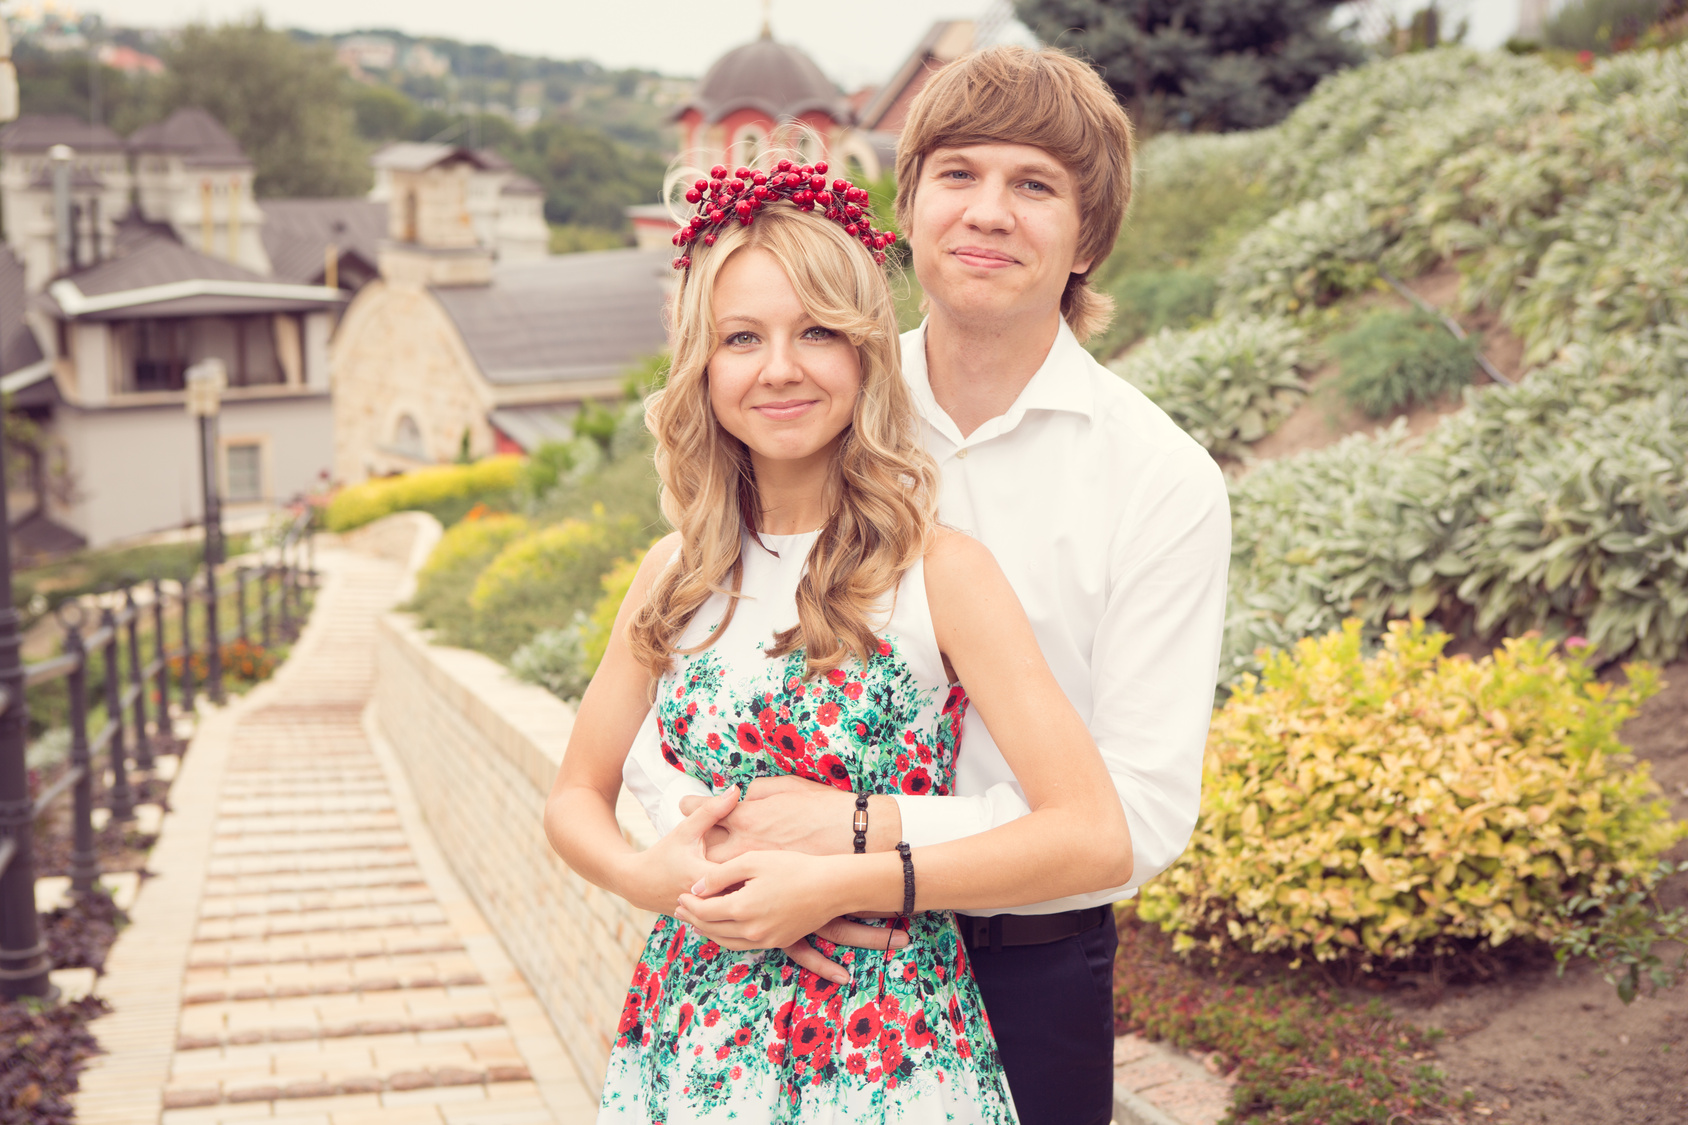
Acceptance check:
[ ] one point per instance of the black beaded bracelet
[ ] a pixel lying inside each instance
(908, 878)
(858, 822)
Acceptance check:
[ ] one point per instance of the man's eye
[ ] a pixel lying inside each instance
(1036, 186)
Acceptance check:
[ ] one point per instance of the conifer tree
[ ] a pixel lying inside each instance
(1200, 64)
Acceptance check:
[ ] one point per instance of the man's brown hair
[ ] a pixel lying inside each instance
(1043, 98)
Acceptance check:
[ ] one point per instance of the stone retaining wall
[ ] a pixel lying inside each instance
(481, 750)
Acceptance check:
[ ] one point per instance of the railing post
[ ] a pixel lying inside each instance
(122, 797)
(163, 679)
(264, 573)
(213, 634)
(143, 745)
(84, 860)
(286, 595)
(23, 950)
(240, 601)
(190, 692)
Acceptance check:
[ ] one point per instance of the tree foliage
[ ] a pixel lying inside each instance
(284, 101)
(1199, 64)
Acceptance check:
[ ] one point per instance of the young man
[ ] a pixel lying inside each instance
(1112, 525)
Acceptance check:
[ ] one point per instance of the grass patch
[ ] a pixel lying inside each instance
(1392, 361)
(1302, 1055)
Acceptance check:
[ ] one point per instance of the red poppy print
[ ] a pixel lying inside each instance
(917, 782)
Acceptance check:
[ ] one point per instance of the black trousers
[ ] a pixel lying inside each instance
(1052, 1010)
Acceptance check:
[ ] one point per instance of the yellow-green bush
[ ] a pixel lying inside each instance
(444, 582)
(446, 490)
(1406, 803)
(602, 620)
(540, 580)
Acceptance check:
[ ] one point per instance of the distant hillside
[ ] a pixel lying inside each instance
(596, 140)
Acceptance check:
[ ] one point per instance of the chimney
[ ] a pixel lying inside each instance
(65, 236)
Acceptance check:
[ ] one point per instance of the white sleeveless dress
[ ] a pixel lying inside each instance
(710, 1035)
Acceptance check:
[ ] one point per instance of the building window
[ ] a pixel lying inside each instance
(162, 351)
(748, 146)
(243, 473)
(161, 355)
(407, 438)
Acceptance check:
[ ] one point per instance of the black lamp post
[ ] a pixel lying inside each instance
(205, 382)
(23, 951)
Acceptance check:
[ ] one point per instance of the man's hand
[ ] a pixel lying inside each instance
(790, 814)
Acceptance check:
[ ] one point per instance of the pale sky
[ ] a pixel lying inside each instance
(857, 42)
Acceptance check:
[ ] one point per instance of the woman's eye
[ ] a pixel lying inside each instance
(740, 339)
(819, 333)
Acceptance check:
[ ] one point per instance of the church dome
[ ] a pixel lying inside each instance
(775, 78)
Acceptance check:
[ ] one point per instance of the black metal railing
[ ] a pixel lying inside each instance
(140, 704)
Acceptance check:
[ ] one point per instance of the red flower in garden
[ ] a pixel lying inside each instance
(749, 738)
(828, 714)
(835, 771)
(864, 1024)
(917, 782)
(787, 738)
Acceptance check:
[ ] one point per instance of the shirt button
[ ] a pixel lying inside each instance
(961, 455)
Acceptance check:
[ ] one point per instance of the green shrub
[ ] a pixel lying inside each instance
(447, 491)
(555, 659)
(543, 579)
(445, 580)
(1560, 504)
(1600, 25)
(1303, 257)
(1148, 301)
(1392, 361)
(1226, 384)
(1377, 808)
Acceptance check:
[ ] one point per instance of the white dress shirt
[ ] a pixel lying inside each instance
(1113, 526)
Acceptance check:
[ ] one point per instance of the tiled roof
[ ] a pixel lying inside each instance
(155, 259)
(416, 156)
(570, 317)
(193, 134)
(776, 78)
(297, 233)
(18, 348)
(38, 132)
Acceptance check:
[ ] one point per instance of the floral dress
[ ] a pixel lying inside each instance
(712, 1035)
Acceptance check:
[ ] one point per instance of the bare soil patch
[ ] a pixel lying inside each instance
(1538, 1049)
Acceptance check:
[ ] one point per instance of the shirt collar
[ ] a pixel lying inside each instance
(1062, 383)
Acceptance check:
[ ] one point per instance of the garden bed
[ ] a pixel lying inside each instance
(1515, 1042)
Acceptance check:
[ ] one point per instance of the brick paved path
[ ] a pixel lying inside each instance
(304, 955)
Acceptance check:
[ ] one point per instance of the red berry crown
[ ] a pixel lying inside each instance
(724, 198)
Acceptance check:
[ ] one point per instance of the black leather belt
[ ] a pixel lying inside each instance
(994, 933)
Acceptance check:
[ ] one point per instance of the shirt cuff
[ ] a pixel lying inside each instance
(668, 815)
(938, 820)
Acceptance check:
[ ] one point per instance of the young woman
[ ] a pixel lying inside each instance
(809, 617)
